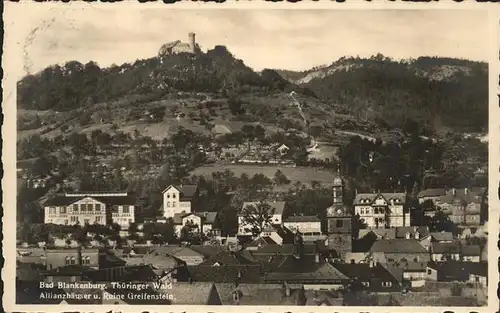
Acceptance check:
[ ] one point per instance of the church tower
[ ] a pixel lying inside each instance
(339, 220)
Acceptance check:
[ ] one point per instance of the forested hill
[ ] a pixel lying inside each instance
(435, 91)
(75, 85)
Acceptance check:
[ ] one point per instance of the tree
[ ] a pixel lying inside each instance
(257, 216)
(280, 178)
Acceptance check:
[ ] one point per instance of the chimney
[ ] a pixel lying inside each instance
(454, 191)
(355, 192)
(466, 191)
(372, 263)
(316, 258)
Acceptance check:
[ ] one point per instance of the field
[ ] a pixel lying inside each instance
(303, 174)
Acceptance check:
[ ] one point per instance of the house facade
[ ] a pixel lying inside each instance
(382, 209)
(306, 225)
(275, 216)
(463, 205)
(178, 199)
(55, 258)
(201, 222)
(90, 208)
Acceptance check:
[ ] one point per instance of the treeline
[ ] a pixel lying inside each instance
(76, 85)
(404, 89)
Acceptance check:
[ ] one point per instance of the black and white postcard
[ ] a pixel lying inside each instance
(197, 155)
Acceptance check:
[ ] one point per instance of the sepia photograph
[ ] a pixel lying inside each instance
(253, 158)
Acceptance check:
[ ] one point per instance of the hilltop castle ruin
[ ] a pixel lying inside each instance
(177, 47)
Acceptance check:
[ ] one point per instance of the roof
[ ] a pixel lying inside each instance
(285, 249)
(157, 261)
(191, 293)
(227, 258)
(187, 192)
(324, 297)
(433, 192)
(411, 266)
(462, 195)
(176, 251)
(208, 217)
(412, 230)
(445, 247)
(208, 251)
(364, 272)
(260, 241)
(257, 294)
(397, 246)
(305, 270)
(453, 270)
(442, 236)
(361, 198)
(108, 200)
(69, 270)
(277, 206)
(386, 233)
(302, 219)
(471, 250)
(249, 273)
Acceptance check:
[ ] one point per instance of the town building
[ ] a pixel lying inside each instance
(433, 195)
(399, 251)
(55, 258)
(306, 225)
(372, 276)
(463, 205)
(91, 208)
(382, 209)
(200, 222)
(177, 47)
(339, 221)
(252, 210)
(178, 199)
(445, 251)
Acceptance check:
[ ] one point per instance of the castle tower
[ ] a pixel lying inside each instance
(192, 42)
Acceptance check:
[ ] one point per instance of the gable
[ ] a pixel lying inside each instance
(170, 188)
(379, 200)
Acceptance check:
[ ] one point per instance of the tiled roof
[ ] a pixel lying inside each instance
(227, 258)
(461, 195)
(176, 251)
(225, 274)
(387, 233)
(208, 251)
(277, 206)
(370, 197)
(362, 271)
(433, 192)
(411, 266)
(302, 219)
(445, 247)
(109, 200)
(397, 246)
(412, 230)
(192, 293)
(471, 250)
(258, 294)
(286, 249)
(305, 270)
(260, 241)
(323, 297)
(453, 270)
(208, 217)
(442, 236)
(187, 192)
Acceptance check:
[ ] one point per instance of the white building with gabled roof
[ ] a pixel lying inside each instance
(178, 199)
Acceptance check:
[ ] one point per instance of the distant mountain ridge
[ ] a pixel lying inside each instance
(376, 90)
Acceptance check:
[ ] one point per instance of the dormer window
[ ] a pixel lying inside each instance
(386, 284)
(408, 236)
(236, 296)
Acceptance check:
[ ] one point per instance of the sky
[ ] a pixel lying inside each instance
(284, 39)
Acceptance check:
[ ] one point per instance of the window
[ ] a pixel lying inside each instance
(386, 284)
(477, 279)
(83, 208)
(429, 272)
(90, 207)
(365, 284)
(75, 207)
(236, 296)
(173, 195)
(168, 195)
(67, 260)
(339, 223)
(73, 260)
(168, 204)
(98, 219)
(174, 204)
(408, 236)
(125, 209)
(63, 210)
(74, 219)
(66, 222)
(86, 221)
(416, 259)
(86, 260)
(97, 206)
